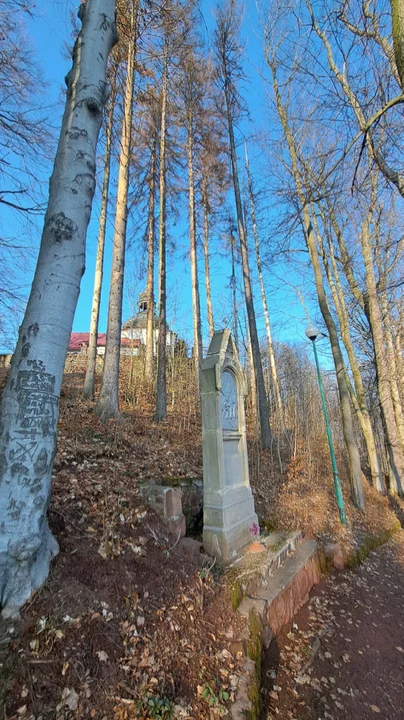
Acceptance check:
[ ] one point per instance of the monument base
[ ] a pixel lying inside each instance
(228, 517)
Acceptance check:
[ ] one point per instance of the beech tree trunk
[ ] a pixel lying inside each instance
(149, 364)
(196, 304)
(108, 400)
(89, 381)
(161, 390)
(30, 402)
(205, 203)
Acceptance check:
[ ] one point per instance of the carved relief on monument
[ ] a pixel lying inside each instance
(229, 402)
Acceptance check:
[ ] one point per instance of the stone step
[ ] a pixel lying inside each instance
(252, 571)
(267, 610)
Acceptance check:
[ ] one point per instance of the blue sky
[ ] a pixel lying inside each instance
(49, 31)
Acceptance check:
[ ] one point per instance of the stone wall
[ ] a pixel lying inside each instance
(175, 496)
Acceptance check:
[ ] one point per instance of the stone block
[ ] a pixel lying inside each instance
(177, 525)
(172, 502)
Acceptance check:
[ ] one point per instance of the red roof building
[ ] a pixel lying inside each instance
(79, 342)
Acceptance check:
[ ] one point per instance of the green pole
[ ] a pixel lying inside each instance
(337, 482)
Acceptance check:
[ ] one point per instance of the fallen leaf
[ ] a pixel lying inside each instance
(102, 656)
(374, 708)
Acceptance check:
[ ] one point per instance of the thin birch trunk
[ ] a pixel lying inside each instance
(205, 203)
(196, 305)
(149, 361)
(107, 405)
(30, 402)
(259, 375)
(357, 396)
(89, 381)
(161, 390)
(271, 354)
(355, 473)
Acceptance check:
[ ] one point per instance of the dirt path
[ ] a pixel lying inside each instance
(344, 656)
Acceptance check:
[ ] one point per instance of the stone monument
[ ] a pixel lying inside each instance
(228, 502)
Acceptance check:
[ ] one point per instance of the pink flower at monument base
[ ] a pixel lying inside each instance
(255, 546)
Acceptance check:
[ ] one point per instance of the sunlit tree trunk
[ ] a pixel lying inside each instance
(259, 375)
(108, 399)
(30, 402)
(149, 365)
(205, 203)
(196, 305)
(161, 389)
(393, 371)
(88, 390)
(395, 452)
(271, 354)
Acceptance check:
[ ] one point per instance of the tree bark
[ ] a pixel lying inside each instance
(161, 390)
(196, 304)
(205, 203)
(149, 364)
(107, 405)
(89, 381)
(397, 26)
(393, 373)
(271, 354)
(30, 402)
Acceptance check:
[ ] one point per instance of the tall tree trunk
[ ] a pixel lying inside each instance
(259, 375)
(395, 452)
(149, 366)
(30, 402)
(161, 390)
(355, 473)
(108, 400)
(196, 305)
(271, 354)
(393, 373)
(234, 290)
(358, 397)
(88, 390)
(205, 203)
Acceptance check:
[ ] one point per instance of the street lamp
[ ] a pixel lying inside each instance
(313, 334)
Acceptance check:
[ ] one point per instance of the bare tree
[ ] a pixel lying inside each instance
(227, 45)
(29, 408)
(89, 381)
(108, 399)
(310, 239)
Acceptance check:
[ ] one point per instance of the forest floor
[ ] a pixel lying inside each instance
(343, 657)
(130, 624)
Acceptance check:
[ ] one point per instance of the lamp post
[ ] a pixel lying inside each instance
(313, 333)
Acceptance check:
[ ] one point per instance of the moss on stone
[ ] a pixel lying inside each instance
(368, 544)
(255, 653)
(237, 593)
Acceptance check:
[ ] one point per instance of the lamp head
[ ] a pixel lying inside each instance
(313, 333)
